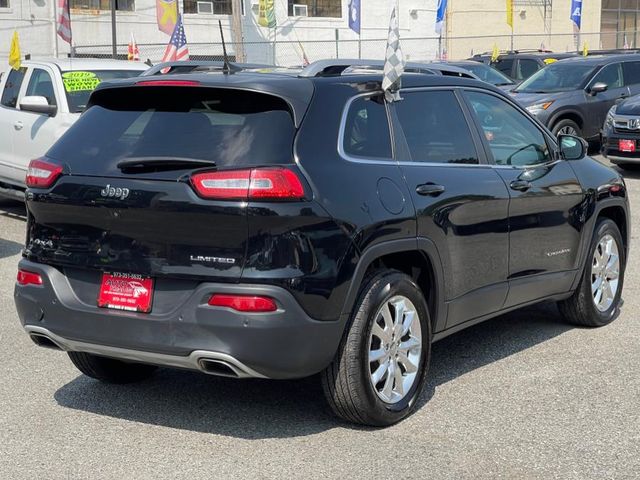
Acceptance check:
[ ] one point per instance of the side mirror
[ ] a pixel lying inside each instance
(38, 104)
(572, 147)
(597, 88)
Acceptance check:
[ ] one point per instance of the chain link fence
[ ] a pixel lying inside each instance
(294, 53)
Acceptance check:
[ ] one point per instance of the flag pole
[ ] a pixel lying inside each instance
(55, 28)
(114, 46)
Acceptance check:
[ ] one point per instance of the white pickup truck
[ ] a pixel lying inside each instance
(39, 102)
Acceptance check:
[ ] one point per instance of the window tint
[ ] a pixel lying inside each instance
(526, 68)
(366, 132)
(12, 88)
(41, 85)
(228, 127)
(505, 66)
(435, 128)
(512, 137)
(611, 75)
(631, 72)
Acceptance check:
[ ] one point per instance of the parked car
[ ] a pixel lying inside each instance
(486, 73)
(621, 134)
(573, 96)
(521, 64)
(280, 225)
(39, 102)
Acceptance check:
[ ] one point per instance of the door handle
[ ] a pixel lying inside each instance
(18, 125)
(520, 185)
(429, 190)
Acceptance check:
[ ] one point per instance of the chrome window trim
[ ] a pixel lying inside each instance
(393, 161)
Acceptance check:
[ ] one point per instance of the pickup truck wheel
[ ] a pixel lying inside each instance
(110, 370)
(382, 362)
(566, 127)
(596, 301)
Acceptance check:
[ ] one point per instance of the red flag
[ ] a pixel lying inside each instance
(167, 15)
(64, 21)
(133, 53)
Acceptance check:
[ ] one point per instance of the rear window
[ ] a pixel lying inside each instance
(78, 84)
(229, 127)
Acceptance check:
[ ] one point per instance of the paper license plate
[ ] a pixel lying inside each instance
(123, 291)
(627, 145)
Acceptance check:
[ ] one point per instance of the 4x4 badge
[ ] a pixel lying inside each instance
(114, 192)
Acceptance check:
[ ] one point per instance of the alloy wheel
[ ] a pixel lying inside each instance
(567, 130)
(605, 273)
(395, 347)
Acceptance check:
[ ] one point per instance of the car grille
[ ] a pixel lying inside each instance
(624, 124)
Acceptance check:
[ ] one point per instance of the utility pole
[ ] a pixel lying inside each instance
(236, 29)
(114, 45)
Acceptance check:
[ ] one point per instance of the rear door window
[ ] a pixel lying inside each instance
(366, 130)
(40, 84)
(505, 66)
(526, 68)
(435, 128)
(631, 71)
(232, 128)
(12, 87)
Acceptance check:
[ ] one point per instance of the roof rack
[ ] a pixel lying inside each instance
(195, 66)
(336, 67)
(512, 52)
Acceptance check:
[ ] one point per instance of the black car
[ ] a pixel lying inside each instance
(486, 73)
(573, 96)
(621, 133)
(521, 64)
(279, 224)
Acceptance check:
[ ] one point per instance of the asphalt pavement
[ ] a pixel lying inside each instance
(520, 396)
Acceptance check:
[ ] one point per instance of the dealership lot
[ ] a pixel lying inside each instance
(523, 395)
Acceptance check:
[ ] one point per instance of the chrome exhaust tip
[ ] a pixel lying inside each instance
(44, 341)
(220, 368)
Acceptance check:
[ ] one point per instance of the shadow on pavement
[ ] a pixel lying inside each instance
(13, 209)
(256, 409)
(9, 248)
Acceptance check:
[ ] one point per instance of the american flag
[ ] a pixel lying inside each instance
(177, 49)
(64, 21)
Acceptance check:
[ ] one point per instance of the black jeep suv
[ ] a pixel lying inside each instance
(279, 224)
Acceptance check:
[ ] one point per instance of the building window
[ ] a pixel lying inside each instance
(211, 7)
(618, 24)
(4, 3)
(315, 8)
(122, 5)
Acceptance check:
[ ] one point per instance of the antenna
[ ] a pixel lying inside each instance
(228, 68)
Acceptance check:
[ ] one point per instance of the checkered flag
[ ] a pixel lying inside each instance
(394, 61)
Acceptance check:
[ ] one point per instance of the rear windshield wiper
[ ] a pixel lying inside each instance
(163, 163)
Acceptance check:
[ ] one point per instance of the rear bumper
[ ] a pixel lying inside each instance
(281, 344)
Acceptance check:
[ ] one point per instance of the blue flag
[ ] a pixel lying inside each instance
(576, 12)
(354, 15)
(440, 14)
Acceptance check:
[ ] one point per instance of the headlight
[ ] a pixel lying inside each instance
(609, 121)
(538, 108)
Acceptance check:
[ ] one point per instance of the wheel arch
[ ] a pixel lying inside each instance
(567, 115)
(418, 258)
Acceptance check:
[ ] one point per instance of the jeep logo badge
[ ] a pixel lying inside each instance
(113, 192)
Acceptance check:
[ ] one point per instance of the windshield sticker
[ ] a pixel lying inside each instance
(80, 81)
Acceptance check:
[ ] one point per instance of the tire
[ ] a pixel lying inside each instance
(580, 309)
(348, 383)
(565, 123)
(110, 370)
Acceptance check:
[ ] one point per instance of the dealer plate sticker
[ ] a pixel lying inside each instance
(124, 291)
(627, 146)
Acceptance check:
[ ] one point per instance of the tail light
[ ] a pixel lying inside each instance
(244, 303)
(42, 174)
(28, 278)
(257, 183)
